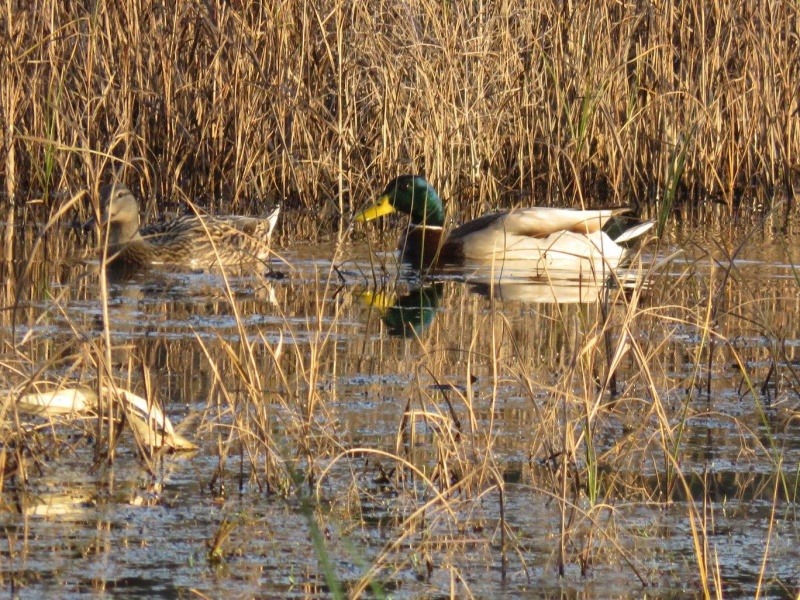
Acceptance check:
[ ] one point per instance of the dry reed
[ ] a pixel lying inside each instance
(321, 103)
(238, 104)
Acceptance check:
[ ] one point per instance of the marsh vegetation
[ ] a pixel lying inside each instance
(360, 428)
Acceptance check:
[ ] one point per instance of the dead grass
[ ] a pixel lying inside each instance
(271, 405)
(240, 104)
(321, 103)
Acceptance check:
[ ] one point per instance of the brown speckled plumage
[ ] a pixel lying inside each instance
(185, 241)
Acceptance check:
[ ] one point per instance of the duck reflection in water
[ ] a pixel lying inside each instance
(408, 315)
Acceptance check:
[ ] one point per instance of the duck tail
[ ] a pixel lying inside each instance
(634, 232)
(272, 220)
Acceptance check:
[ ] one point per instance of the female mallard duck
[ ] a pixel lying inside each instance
(193, 241)
(556, 238)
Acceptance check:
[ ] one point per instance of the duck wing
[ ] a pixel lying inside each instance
(200, 241)
(538, 222)
(484, 223)
(541, 222)
(533, 233)
(165, 232)
(259, 228)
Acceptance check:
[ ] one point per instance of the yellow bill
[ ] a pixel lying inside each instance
(381, 300)
(383, 207)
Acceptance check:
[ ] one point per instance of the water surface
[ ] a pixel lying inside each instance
(339, 397)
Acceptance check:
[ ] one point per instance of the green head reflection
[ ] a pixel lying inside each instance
(406, 315)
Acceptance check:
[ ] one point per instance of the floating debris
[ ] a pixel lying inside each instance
(150, 425)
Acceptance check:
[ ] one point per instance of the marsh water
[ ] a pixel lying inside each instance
(337, 396)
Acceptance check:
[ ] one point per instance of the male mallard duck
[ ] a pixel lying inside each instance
(193, 241)
(556, 238)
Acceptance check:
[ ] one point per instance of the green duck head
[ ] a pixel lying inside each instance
(410, 194)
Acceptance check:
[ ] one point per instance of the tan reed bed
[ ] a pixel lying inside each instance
(321, 103)
(237, 105)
